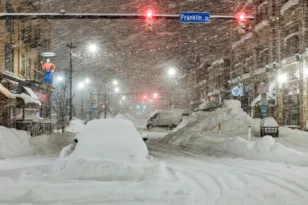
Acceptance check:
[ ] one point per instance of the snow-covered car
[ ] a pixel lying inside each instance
(109, 149)
(167, 118)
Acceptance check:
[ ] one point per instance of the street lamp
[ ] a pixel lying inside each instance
(115, 82)
(123, 97)
(87, 80)
(92, 48)
(117, 90)
(60, 78)
(81, 85)
(171, 72)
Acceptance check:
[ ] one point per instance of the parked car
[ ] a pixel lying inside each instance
(170, 118)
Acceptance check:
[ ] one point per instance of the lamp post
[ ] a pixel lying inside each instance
(71, 46)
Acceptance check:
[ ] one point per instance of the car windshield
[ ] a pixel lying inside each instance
(154, 102)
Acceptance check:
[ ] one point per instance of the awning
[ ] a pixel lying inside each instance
(258, 99)
(6, 92)
(31, 92)
(28, 99)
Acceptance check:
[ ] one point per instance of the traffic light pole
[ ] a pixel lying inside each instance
(64, 15)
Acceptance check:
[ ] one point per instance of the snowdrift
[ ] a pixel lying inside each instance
(75, 126)
(265, 148)
(232, 118)
(200, 132)
(17, 143)
(111, 149)
(14, 143)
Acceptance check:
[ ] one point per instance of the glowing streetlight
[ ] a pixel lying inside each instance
(92, 48)
(282, 78)
(117, 90)
(171, 72)
(115, 82)
(81, 85)
(123, 97)
(60, 78)
(87, 80)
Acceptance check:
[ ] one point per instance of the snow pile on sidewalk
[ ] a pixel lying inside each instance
(75, 126)
(263, 149)
(111, 149)
(200, 132)
(14, 143)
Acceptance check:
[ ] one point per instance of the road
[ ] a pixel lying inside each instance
(220, 181)
(209, 180)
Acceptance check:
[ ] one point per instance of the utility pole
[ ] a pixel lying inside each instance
(71, 46)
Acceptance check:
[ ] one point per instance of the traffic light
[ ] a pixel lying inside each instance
(145, 97)
(149, 21)
(241, 23)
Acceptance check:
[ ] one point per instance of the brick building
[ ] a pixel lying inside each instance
(273, 52)
(22, 42)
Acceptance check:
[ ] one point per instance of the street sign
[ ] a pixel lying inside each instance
(236, 91)
(195, 17)
(93, 109)
(48, 54)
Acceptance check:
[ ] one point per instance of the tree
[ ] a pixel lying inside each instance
(60, 104)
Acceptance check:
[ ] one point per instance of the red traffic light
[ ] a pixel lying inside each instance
(102, 106)
(145, 97)
(149, 13)
(242, 16)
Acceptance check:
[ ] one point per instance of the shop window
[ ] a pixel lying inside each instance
(9, 57)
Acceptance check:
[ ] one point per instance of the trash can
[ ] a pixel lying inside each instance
(269, 126)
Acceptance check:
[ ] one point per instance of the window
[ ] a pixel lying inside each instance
(249, 65)
(9, 22)
(22, 30)
(264, 58)
(23, 64)
(292, 46)
(29, 68)
(9, 57)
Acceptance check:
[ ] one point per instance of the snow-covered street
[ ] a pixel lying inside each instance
(207, 180)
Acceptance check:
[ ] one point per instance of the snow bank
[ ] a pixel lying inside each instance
(263, 149)
(110, 149)
(200, 132)
(75, 126)
(231, 117)
(14, 143)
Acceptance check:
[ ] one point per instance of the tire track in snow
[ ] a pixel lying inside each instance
(196, 169)
(278, 182)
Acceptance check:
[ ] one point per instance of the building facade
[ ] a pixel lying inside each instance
(273, 52)
(21, 44)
